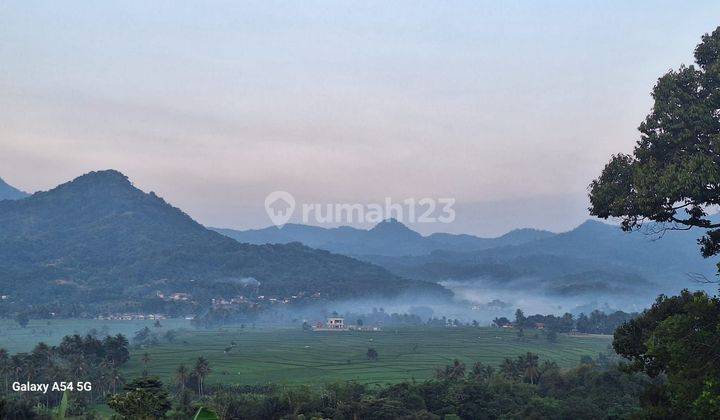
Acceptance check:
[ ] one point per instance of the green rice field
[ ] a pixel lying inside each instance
(293, 357)
(15, 339)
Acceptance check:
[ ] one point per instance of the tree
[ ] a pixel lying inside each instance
(451, 372)
(673, 174)
(372, 354)
(181, 377)
(531, 370)
(142, 335)
(170, 336)
(509, 369)
(21, 409)
(501, 322)
(22, 319)
(144, 398)
(201, 371)
(678, 337)
(145, 359)
(116, 349)
(481, 373)
(520, 318)
(4, 367)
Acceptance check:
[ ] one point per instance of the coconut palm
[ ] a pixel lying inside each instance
(181, 377)
(481, 373)
(508, 369)
(145, 359)
(201, 370)
(457, 370)
(531, 367)
(4, 366)
(115, 380)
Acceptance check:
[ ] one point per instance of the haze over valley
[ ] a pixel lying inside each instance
(101, 241)
(348, 210)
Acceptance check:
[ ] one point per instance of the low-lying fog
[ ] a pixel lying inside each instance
(474, 301)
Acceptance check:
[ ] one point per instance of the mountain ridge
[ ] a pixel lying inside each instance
(98, 237)
(8, 192)
(593, 256)
(388, 238)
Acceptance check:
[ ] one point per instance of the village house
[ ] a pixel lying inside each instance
(332, 324)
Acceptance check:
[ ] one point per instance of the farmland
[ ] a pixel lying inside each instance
(15, 339)
(293, 357)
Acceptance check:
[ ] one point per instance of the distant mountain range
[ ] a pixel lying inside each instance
(388, 238)
(8, 192)
(593, 258)
(99, 239)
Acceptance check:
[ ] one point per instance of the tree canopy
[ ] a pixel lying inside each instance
(673, 174)
(678, 337)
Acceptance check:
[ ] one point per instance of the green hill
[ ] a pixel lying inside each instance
(8, 192)
(99, 239)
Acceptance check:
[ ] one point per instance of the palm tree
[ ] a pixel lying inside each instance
(16, 362)
(507, 368)
(457, 371)
(4, 366)
(181, 377)
(115, 379)
(531, 367)
(451, 372)
(481, 373)
(201, 370)
(145, 359)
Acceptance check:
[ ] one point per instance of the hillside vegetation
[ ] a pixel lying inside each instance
(99, 239)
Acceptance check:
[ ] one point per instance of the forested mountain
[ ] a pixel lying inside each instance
(593, 258)
(388, 238)
(8, 192)
(98, 238)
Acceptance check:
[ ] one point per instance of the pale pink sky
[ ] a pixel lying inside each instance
(516, 105)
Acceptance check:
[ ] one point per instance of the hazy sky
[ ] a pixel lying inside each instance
(510, 107)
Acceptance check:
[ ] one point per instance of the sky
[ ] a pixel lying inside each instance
(510, 108)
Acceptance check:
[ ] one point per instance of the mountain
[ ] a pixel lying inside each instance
(473, 243)
(100, 239)
(387, 238)
(8, 192)
(594, 257)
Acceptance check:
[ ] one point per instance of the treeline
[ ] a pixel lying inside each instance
(76, 359)
(238, 314)
(597, 322)
(520, 388)
(378, 316)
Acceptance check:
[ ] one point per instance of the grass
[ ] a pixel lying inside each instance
(293, 357)
(15, 339)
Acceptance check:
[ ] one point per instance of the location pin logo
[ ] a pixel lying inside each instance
(279, 206)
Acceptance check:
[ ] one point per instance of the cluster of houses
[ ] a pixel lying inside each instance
(239, 300)
(175, 297)
(338, 324)
(131, 317)
(535, 325)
